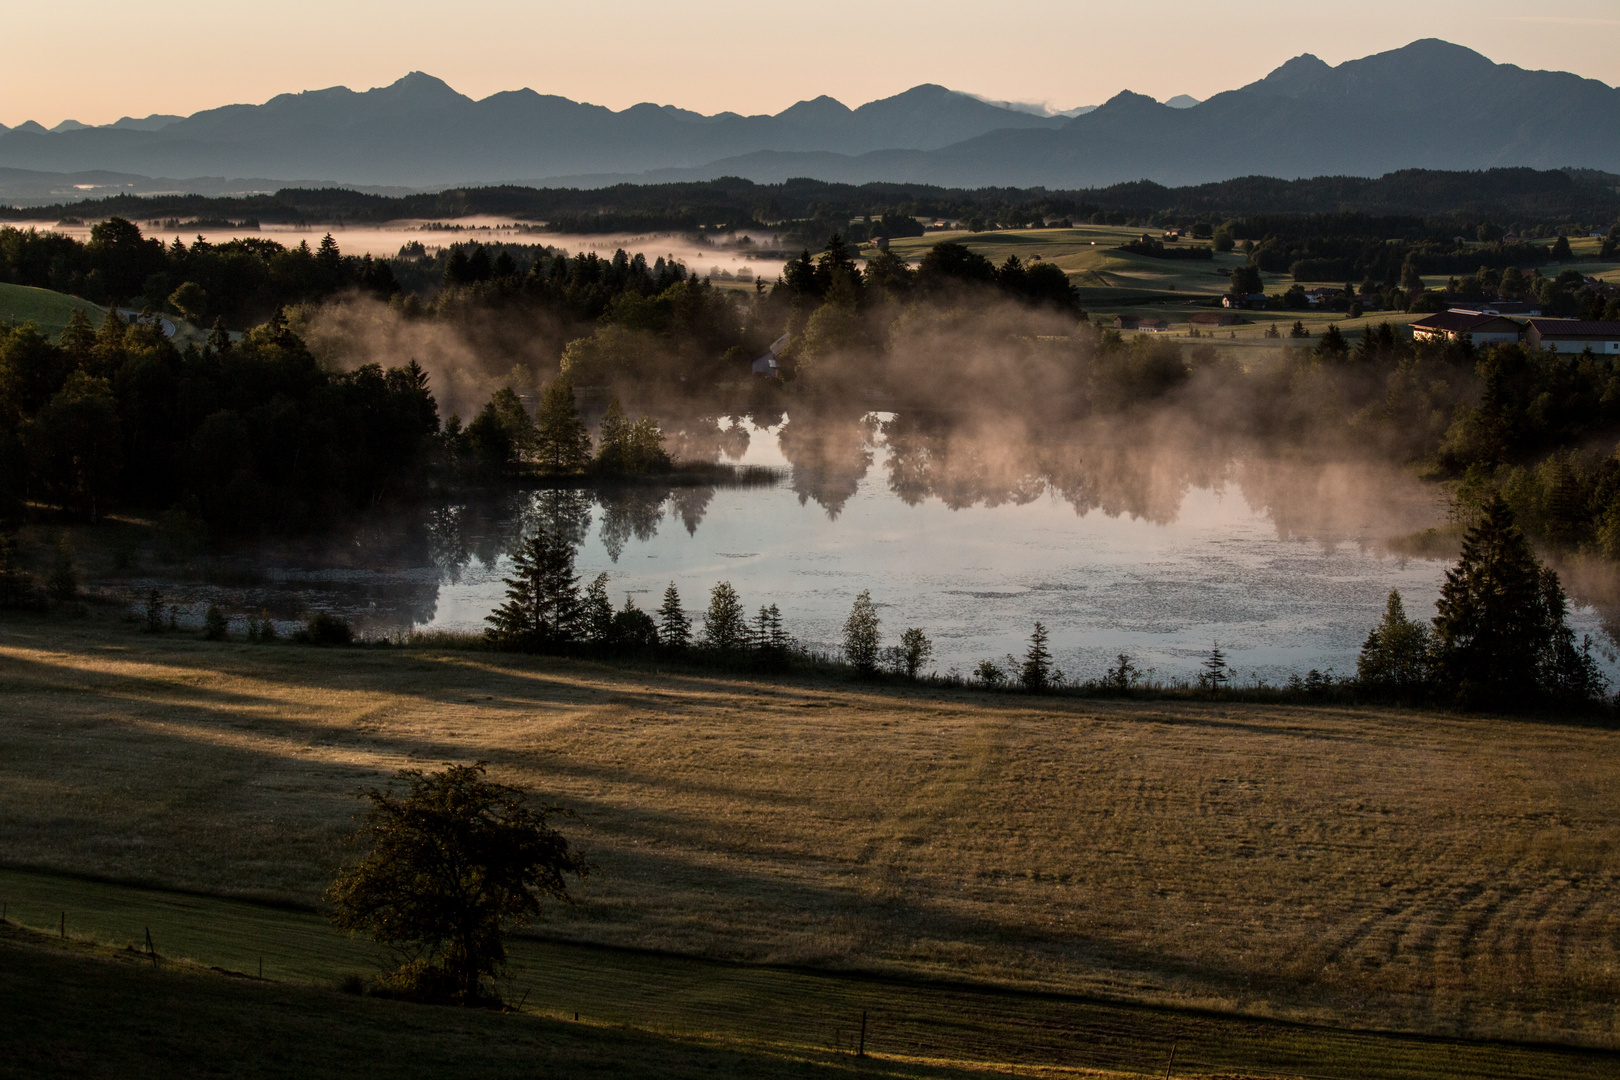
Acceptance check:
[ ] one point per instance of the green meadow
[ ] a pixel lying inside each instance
(48, 310)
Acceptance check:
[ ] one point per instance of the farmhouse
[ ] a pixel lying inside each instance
(1573, 335)
(1214, 318)
(1137, 322)
(1483, 328)
(769, 364)
(1257, 301)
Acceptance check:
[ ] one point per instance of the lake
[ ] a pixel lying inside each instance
(1116, 541)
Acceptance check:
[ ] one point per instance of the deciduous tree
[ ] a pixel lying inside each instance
(453, 864)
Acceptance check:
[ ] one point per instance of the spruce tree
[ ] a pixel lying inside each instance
(1214, 673)
(1395, 657)
(725, 627)
(1493, 627)
(561, 443)
(674, 627)
(1037, 671)
(542, 597)
(596, 612)
(78, 338)
(613, 450)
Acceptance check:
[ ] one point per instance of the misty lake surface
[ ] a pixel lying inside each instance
(977, 578)
(1163, 579)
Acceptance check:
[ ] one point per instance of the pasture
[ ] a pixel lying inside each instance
(1113, 282)
(1449, 876)
(48, 310)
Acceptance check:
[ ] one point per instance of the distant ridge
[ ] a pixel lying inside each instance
(1430, 105)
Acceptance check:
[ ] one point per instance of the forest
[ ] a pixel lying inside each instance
(1436, 203)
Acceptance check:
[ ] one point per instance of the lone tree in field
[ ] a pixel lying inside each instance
(861, 634)
(1500, 635)
(674, 627)
(542, 596)
(454, 864)
(1037, 673)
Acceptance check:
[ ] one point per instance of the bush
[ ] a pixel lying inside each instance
(215, 626)
(325, 629)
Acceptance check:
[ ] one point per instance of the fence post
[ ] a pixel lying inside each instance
(862, 1051)
(1172, 1063)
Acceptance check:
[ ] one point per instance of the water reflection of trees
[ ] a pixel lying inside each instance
(828, 457)
(1118, 468)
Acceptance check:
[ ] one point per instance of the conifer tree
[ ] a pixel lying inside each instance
(542, 596)
(1500, 633)
(78, 338)
(1214, 673)
(725, 627)
(1037, 672)
(561, 442)
(1491, 626)
(108, 350)
(1395, 656)
(613, 440)
(596, 612)
(674, 627)
(776, 638)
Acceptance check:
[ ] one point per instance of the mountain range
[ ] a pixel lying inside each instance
(1430, 105)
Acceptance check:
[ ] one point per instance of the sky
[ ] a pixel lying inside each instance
(97, 60)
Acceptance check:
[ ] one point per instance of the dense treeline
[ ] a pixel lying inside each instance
(813, 208)
(243, 435)
(240, 281)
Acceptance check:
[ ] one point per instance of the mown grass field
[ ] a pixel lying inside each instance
(91, 1003)
(1372, 868)
(48, 310)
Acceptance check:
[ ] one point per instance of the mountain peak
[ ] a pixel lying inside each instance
(418, 88)
(1293, 77)
(1128, 100)
(817, 110)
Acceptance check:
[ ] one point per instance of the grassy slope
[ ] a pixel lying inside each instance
(82, 1012)
(1453, 876)
(49, 310)
(658, 1007)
